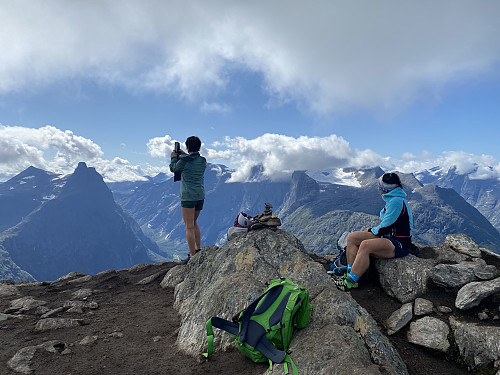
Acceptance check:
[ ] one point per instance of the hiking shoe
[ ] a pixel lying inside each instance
(341, 284)
(185, 261)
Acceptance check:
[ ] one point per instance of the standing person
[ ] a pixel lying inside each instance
(192, 191)
(390, 239)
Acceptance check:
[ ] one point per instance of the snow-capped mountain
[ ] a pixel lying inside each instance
(478, 190)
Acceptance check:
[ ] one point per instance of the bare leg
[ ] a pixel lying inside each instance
(189, 221)
(377, 247)
(354, 240)
(197, 233)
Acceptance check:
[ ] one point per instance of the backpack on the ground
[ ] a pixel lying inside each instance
(242, 224)
(263, 331)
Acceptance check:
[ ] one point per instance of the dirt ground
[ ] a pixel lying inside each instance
(136, 328)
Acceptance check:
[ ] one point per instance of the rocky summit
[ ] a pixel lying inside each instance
(150, 318)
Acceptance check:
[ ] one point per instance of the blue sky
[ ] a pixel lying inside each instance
(282, 84)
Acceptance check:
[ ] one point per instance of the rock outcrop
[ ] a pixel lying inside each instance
(455, 267)
(223, 281)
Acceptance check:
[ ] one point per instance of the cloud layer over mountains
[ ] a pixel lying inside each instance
(60, 151)
(316, 55)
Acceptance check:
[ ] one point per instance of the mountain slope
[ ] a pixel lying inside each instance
(25, 192)
(156, 207)
(482, 193)
(81, 229)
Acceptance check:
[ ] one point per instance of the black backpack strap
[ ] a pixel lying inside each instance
(223, 324)
(272, 294)
(269, 350)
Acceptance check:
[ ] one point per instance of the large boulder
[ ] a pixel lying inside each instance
(221, 282)
(478, 345)
(454, 275)
(404, 278)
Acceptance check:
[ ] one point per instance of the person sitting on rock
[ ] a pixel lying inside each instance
(390, 239)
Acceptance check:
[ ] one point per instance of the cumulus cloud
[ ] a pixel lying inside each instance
(277, 154)
(57, 151)
(478, 167)
(325, 56)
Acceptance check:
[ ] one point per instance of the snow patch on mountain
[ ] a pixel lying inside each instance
(334, 176)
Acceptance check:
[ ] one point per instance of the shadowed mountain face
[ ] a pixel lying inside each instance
(156, 207)
(482, 193)
(25, 192)
(81, 229)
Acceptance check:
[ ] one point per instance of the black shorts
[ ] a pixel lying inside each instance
(197, 205)
(399, 250)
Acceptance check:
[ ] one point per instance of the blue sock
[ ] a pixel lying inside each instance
(353, 276)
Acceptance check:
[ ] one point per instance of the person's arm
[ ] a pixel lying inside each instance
(176, 163)
(392, 211)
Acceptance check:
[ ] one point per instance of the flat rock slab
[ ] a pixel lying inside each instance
(22, 359)
(25, 304)
(430, 332)
(463, 244)
(472, 294)
(454, 275)
(399, 318)
(49, 324)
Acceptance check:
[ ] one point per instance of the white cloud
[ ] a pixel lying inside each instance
(478, 166)
(325, 56)
(215, 107)
(57, 151)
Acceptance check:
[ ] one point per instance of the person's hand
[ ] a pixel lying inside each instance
(181, 152)
(173, 154)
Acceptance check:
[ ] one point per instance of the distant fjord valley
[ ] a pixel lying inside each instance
(51, 225)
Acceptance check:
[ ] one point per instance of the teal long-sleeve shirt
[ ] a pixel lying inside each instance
(193, 167)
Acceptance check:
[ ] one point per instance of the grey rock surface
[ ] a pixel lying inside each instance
(487, 272)
(24, 304)
(453, 275)
(423, 307)
(20, 362)
(478, 345)
(8, 290)
(463, 244)
(430, 332)
(404, 278)
(174, 276)
(399, 318)
(472, 294)
(150, 279)
(56, 323)
(223, 282)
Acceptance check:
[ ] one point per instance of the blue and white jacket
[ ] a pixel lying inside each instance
(397, 219)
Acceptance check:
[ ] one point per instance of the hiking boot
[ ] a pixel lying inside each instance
(341, 284)
(185, 261)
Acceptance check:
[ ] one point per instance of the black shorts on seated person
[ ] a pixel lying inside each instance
(399, 250)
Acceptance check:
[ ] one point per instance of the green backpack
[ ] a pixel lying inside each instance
(263, 331)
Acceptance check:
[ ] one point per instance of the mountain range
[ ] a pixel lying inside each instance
(480, 191)
(79, 229)
(51, 225)
(317, 206)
